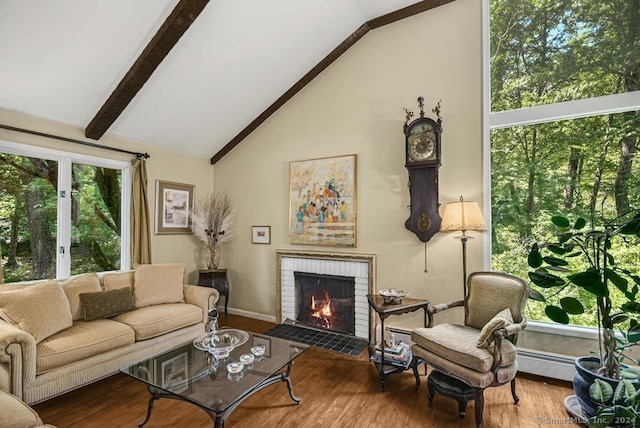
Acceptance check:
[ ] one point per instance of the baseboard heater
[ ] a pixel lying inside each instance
(539, 363)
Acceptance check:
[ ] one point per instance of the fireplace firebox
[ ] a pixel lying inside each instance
(325, 301)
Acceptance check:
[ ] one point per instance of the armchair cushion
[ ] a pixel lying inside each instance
(500, 320)
(458, 343)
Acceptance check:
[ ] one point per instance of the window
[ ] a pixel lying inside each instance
(61, 213)
(563, 112)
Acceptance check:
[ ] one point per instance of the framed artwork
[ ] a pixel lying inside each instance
(261, 234)
(173, 372)
(174, 201)
(322, 201)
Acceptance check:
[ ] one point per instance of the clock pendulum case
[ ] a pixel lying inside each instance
(422, 150)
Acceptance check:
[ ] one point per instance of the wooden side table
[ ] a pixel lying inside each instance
(376, 302)
(216, 279)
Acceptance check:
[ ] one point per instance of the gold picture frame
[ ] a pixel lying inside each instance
(174, 202)
(322, 201)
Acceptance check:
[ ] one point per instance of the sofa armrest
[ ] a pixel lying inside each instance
(17, 359)
(205, 297)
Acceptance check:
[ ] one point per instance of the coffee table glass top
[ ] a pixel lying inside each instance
(196, 376)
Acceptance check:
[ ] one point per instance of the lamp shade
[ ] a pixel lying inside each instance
(462, 215)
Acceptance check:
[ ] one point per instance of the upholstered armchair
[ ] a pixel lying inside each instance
(482, 352)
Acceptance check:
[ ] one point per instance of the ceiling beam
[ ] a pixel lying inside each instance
(388, 18)
(180, 19)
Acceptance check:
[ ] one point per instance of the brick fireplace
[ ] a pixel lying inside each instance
(357, 271)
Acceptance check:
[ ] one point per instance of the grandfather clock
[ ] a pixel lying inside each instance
(422, 147)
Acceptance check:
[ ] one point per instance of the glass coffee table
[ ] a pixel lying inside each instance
(195, 376)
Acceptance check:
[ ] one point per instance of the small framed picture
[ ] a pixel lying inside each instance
(174, 372)
(261, 234)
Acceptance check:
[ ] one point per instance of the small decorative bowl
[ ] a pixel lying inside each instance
(247, 359)
(258, 351)
(234, 367)
(392, 295)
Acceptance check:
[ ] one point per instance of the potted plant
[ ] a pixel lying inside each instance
(619, 407)
(211, 221)
(577, 268)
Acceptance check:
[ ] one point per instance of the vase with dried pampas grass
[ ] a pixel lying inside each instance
(211, 221)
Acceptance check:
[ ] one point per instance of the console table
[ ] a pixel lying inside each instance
(216, 279)
(376, 302)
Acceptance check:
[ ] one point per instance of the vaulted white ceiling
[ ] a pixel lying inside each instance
(62, 59)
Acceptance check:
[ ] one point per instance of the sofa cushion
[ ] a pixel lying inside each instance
(41, 309)
(458, 343)
(105, 304)
(80, 284)
(152, 321)
(14, 413)
(112, 281)
(158, 283)
(80, 341)
(500, 320)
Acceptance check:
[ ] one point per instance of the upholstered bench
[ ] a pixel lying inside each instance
(14, 413)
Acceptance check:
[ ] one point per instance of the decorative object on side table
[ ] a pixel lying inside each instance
(211, 222)
(392, 295)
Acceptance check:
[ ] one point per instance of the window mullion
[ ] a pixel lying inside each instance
(64, 219)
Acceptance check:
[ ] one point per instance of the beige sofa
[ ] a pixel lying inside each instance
(56, 336)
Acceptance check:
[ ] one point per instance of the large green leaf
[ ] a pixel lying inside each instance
(560, 221)
(601, 392)
(559, 249)
(590, 281)
(535, 258)
(580, 223)
(572, 305)
(624, 390)
(555, 261)
(633, 334)
(617, 280)
(557, 314)
(545, 279)
(536, 295)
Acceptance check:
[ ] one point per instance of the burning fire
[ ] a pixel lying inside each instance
(322, 311)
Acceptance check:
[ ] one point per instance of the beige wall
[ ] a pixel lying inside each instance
(356, 106)
(163, 164)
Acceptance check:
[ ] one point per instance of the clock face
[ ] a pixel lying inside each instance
(422, 146)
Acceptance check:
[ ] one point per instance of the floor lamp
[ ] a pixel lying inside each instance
(464, 216)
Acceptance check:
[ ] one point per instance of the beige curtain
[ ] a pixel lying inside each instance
(140, 232)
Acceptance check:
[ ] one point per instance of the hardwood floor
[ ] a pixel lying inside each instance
(336, 391)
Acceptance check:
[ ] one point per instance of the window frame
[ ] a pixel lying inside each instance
(616, 103)
(65, 160)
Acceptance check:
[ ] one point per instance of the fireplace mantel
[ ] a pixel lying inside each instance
(360, 266)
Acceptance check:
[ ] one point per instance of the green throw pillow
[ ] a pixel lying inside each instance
(105, 304)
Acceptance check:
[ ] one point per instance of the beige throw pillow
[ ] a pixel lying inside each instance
(500, 320)
(105, 304)
(113, 281)
(72, 287)
(158, 283)
(41, 310)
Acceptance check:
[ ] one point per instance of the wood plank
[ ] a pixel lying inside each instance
(324, 64)
(178, 22)
(337, 391)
